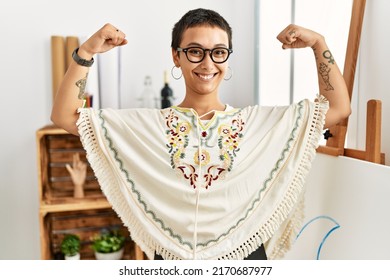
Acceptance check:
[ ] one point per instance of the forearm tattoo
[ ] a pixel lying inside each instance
(81, 85)
(328, 55)
(324, 72)
(324, 69)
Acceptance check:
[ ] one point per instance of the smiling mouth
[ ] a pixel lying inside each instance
(206, 77)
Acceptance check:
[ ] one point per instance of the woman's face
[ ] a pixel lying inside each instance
(202, 78)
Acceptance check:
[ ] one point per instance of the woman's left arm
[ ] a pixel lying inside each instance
(330, 80)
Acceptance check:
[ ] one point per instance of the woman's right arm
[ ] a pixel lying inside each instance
(72, 88)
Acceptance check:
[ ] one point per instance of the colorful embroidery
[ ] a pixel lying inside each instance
(230, 137)
(228, 141)
(177, 137)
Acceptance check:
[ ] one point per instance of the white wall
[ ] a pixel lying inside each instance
(372, 75)
(25, 87)
(274, 63)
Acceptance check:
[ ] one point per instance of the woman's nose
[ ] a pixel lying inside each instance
(207, 62)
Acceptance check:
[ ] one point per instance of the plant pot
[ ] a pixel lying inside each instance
(74, 257)
(110, 256)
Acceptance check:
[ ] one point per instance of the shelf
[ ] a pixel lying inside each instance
(59, 212)
(73, 206)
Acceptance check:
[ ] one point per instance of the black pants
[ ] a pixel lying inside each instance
(259, 254)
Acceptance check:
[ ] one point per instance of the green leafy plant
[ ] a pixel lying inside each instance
(108, 242)
(70, 245)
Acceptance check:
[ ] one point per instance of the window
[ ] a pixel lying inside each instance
(286, 76)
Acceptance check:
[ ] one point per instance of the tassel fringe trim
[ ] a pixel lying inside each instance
(296, 188)
(109, 184)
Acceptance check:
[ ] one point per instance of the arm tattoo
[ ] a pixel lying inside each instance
(81, 85)
(328, 55)
(324, 72)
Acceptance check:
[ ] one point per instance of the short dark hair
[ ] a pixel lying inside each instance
(199, 17)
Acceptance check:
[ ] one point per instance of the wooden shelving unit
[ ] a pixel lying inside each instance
(59, 212)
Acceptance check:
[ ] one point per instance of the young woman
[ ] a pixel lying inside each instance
(204, 180)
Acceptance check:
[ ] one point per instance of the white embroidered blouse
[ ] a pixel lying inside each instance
(216, 190)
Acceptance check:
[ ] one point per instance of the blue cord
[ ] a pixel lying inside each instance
(326, 236)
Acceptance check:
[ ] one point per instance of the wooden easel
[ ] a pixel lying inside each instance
(336, 143)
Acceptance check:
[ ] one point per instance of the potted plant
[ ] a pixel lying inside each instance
(70, 247)
(108, 245)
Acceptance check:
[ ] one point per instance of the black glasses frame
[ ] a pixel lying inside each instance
(185, 50)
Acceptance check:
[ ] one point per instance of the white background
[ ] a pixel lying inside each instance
(25, 77)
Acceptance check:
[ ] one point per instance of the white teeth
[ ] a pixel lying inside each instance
(206, 77)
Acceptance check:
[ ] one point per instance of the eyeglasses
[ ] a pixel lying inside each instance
(197, 54)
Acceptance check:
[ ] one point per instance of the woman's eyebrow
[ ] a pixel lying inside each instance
(194, 44)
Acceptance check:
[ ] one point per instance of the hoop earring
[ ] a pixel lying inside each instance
(230, 71)
(173, 74)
